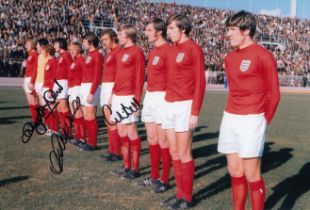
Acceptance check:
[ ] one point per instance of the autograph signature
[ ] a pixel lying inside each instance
(58, 141)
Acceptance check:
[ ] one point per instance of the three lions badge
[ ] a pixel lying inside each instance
(155, 60)
(245, 65)
(180, 57)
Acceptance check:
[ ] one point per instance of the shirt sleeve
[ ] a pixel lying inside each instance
(199, 80)
(272, 99)
(97, 72)
(140, 75)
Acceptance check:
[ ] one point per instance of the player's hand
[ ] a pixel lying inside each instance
(110, 101)
(24, 64)
(30, 86)
(90, 98)
(193, 122)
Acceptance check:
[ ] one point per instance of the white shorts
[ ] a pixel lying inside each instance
(38, 87)
(153, 107)
(242, 134)
(106, 92)
(84, 93)
(73, 93)
(176, 115)
(118, 110)
(61, 94)
(26, 83)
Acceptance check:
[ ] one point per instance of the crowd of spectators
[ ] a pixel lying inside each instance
(288, 38)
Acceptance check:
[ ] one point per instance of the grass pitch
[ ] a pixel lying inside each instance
(27, 183)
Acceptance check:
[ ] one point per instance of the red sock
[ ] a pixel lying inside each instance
(82, 128)
(177, 170)
(136, 148)
(166, 164)
(34, 113)
(126, 152)
(239, 187)
(116, 142)
(62, 121)
(258, 193)
(54, 120)
(67, 123)
(92, 130)
(76, 128)
(111, 145)
(47, 118)
(155, 160)
(188, 180)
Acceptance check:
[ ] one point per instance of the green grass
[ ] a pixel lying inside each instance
(27, 183)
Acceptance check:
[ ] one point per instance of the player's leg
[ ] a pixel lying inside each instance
(113, 138)
(163, 185)
(177, 167)
(184, 144)
(239, 184)
(155, 155)
(91, 125)
(256, 183)
(135, 142)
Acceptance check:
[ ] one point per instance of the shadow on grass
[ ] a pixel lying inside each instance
(271, 160)
(11, 120)
(290, 189)
(13, 107)
(12, 180)
(205, 136)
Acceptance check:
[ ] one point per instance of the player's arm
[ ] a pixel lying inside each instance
(269, 67)
(140, 75)
(97, 76)
(199, 81)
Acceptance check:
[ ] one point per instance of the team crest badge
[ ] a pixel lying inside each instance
(47, 67)
(60, 60)
(245, 64)
(108, 59)
(72, 65)
(155, 60)
(180, 57)
(88, 59)
(29, 59)
(125, 57)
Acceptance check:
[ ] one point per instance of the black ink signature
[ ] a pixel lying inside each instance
(128, 111)
(58, 141)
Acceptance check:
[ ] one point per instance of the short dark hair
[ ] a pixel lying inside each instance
(62, 43)
(42, 42)
(243, 20)
(92, 39)
(181, 21)
(130, 31)
(160, 26)
(50, 49)
(112, 34)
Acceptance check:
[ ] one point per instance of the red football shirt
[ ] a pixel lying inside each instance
(157, 68)
(76, 71)
(253, 82)
(129, 78)
(92, 70)
(31, 63)
(109, 65)
(64, 61)
(186, 74)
